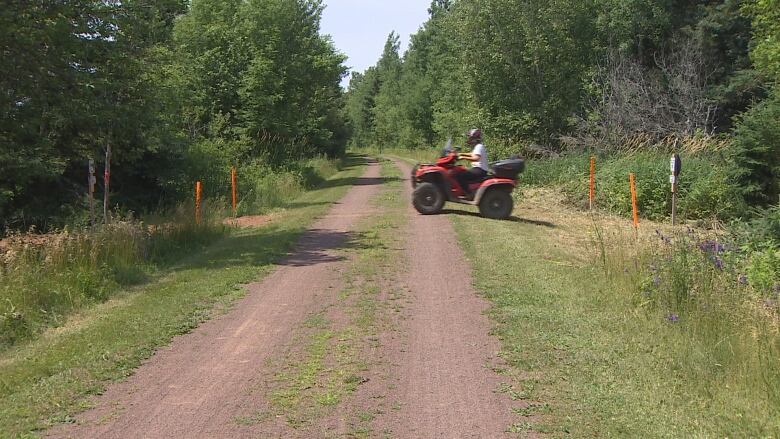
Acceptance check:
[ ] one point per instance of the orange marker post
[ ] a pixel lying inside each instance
(592, 191)
(234, 193)
(198, 195)
(632, 181)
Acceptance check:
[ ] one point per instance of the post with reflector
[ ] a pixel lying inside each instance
(676, 167)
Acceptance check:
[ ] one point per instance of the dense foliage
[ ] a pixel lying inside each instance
(175, 89)
(605, 75)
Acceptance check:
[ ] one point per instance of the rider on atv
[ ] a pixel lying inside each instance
(478, 158)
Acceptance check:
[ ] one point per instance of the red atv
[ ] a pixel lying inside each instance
(436, 183)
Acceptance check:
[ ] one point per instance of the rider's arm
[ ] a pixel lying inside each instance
(469, 156)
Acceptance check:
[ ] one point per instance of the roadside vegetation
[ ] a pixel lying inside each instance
(44, 278)
(611, 335)
(44, 379)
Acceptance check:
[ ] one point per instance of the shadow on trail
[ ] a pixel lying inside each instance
(272, 245)
(511, 218)
(321, 246)
(300, 204)
(358, 181)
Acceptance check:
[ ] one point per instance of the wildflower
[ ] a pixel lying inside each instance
(776, 288)
(742, 279)
(712, 247)
(656, 280)
(663, 237)
(718, 263)
(672, 317)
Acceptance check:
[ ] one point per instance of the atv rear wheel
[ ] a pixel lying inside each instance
(496, 204)
(428, 199)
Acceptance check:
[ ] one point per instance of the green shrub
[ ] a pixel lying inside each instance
(705, 190)
(557, 171)
(755, 152)
(763, 271)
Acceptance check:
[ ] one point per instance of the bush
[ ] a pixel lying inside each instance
(704, 191)
(755, 152)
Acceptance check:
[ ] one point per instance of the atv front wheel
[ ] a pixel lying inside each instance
(496, 204)
(428, 199)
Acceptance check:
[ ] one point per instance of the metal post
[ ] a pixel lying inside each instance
(676, 167)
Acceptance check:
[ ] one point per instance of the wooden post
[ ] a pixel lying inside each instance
(592, 186)
(234, 192)
(91, 180)
(198, 194)
(632, 182)
(106, 182)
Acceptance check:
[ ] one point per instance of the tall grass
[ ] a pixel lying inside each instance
(43, 278)
(264, 188)
(719, 328)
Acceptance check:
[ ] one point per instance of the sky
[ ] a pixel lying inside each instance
(359, 28)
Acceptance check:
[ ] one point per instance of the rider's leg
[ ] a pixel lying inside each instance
(472, 175)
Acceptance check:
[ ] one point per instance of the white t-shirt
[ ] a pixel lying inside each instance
(480, 150)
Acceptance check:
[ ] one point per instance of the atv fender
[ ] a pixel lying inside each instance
(491, 184)
(435, 177)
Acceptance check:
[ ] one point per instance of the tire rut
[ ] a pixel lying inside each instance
(445, 385)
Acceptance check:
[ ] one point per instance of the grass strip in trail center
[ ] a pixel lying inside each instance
(47, 380)
(311, 381)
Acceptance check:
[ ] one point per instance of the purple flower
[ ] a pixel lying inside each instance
(664, 238)
(742, 279)
(718, 263)
(712, 247)
(656, 280)
(672, 317)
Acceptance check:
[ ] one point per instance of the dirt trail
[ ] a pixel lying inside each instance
(445, 386)
(194, 387)
(435, 375)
